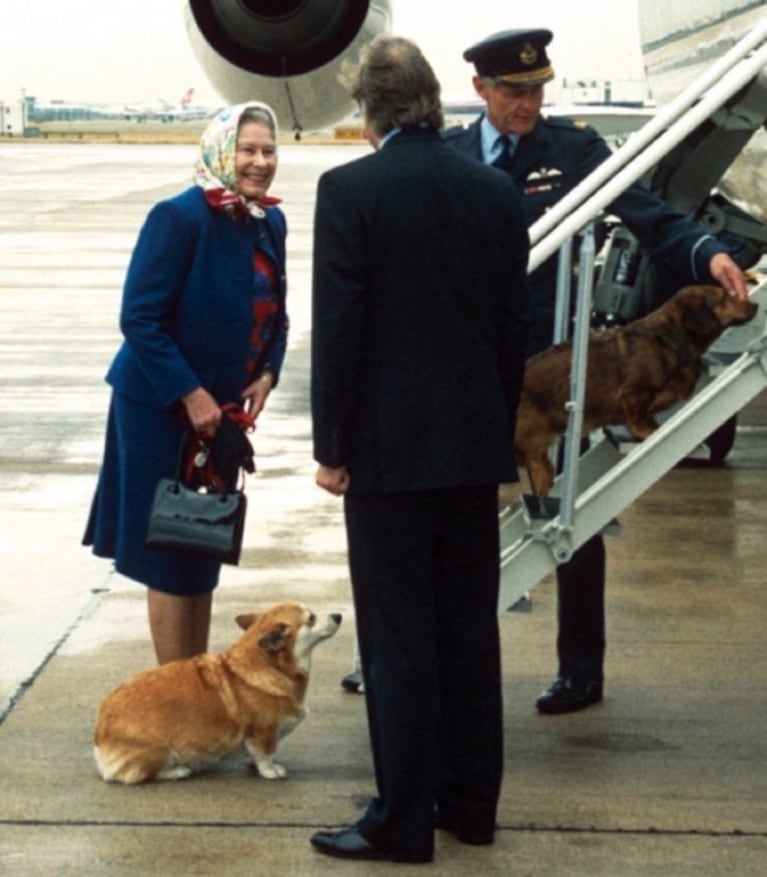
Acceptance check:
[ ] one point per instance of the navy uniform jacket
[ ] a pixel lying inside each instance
(419, 318)
(551, 161)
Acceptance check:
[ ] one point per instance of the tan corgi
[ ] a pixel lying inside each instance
(177, 719)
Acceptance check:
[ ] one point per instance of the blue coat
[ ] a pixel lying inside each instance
(187, 310)
(551, 161)
(187, 318)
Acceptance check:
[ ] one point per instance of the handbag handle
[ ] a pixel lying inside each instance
(218, 464)
(180, 468)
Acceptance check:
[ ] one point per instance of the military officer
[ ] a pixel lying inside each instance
(548, 157)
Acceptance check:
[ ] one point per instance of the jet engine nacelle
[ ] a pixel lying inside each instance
(287, 53)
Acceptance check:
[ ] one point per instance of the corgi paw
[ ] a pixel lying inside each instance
(176, 772)
(270, 770)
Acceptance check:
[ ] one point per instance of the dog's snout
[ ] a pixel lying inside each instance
(336, 617)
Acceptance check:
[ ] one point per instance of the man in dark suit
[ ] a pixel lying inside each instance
(547, 158)
(418, 340)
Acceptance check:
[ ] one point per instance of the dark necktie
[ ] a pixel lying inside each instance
(503, 160)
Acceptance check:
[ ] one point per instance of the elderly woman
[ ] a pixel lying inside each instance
(204, 324)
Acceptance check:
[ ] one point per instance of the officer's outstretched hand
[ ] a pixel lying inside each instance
(728, 275)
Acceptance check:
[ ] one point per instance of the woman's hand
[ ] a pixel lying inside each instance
(256, 394)
(203, 411)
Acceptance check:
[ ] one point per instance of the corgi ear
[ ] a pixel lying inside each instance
(276, 639)
(247, 620)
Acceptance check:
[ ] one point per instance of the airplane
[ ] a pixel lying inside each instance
(160, 110)
(291, 54)
(679, 41)
(252, 48)
(249, 49)
(164, 111)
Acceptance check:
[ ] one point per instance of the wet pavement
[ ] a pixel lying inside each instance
(667, 777)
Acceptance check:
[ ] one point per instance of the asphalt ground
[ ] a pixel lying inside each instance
(668, 776)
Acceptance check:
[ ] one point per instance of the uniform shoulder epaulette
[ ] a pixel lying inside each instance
(567, 123)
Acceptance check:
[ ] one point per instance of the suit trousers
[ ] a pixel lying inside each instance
(425, 575)
(581, 605)
(581, 612)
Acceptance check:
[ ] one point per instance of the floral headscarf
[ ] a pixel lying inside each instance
(214, 169)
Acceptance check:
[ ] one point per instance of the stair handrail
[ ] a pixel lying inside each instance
(734, 80)
(667, 115)
(576, 403)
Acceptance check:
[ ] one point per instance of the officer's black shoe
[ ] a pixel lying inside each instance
(353, 683)
(567, 694)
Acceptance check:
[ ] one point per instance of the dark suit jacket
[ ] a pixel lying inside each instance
(187, 312)
(419, 318)
(550, 162)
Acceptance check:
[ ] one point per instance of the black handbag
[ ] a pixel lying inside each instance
(202, 523)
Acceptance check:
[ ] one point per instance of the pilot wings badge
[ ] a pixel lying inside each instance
(545, 173)
(543, 180)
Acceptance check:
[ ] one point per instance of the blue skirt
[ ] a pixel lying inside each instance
(141, 446)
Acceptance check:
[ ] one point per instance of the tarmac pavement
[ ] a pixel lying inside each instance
(667, 777)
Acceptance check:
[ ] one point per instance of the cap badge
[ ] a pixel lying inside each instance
(529, 54)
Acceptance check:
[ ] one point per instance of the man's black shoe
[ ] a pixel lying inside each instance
(567, 694)
(350, 844)
(464, 832)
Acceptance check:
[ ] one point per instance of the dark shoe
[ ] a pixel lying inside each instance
(353, 683)
(567, 694)
(350, 844)
(463, 832)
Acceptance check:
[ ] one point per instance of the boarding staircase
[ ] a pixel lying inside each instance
(728, 103)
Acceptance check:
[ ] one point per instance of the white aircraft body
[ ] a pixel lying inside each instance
(679, 41)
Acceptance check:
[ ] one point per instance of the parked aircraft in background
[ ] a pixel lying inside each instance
(164, 111)
(156, 111)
